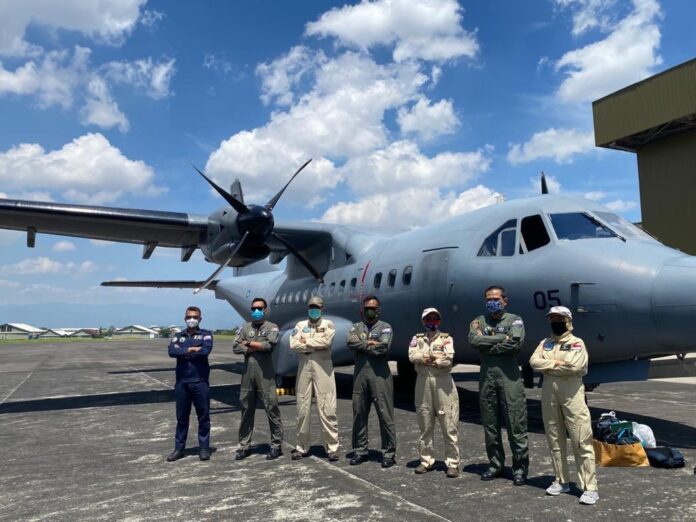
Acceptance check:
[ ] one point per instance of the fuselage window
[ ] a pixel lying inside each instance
(534, 232)
(391, 280)
(622, 226)
(342, 287)
(305, 295)
(297, 296)
(277, 299)
(321, 290)
(353, 284)
(315, 291)
(501, 242)
(282, 299)
(377, 281)
(406, 276)
(332, 287)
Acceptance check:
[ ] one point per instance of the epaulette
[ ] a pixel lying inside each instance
(444, 335)
(419, 335)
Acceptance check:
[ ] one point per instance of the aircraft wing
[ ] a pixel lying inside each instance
(147, 227)
(161, 284)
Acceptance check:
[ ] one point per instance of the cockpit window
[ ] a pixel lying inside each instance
(501, 242)
(578, 225)
(622, 226)
(534, 232)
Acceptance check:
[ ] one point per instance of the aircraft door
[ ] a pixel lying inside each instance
(595, 314)
(435, 287)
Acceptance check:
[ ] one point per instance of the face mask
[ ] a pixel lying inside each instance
(559, 327)
(494, 306)
(192, 323)
(257, 315)
(314, 314)
(370, 314)
(432, 325)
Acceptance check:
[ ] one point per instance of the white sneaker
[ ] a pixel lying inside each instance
(589, 498)
(556, 489)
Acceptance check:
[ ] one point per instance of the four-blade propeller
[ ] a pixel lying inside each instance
(255, 223)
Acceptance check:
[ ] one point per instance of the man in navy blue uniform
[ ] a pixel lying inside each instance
(191, 348)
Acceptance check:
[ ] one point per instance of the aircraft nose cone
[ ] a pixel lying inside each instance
(674, 304)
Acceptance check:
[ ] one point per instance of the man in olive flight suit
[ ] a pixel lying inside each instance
(498, 336)
(311, 340)
(372, 382)
(255, 341)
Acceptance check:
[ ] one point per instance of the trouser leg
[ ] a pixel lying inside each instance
(554, 426)
(270, 403)
(201, 401)
(183, 412)
(426, 420)
(303, 390)
(490, 419)
(515, 413)
(448, 414)
(579, 426)
(384, 404)
(247, 403)
(361, 412)
(326, 406)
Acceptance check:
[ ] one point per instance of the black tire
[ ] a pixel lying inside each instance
(527, 376)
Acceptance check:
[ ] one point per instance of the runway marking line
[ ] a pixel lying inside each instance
(331, 466)
(16, 388)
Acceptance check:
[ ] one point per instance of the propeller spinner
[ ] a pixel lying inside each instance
(255, 222)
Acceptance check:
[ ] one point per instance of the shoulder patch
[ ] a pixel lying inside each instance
(517, 322)
(414, 341)
(548, 345)
(208, 338)
(386, 330)
(576, 346)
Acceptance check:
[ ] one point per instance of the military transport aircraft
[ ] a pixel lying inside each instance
(632, 297)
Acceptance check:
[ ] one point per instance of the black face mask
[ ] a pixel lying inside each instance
(559, 327)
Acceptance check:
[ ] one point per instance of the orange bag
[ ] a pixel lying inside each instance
(626, 455)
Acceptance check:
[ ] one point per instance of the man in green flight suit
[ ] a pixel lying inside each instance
(371, 339)
(498, 336)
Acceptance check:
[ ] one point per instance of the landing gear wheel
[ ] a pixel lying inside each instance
(285, 385)
(406, 380)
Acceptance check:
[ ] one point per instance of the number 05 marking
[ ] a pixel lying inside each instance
(544, 300)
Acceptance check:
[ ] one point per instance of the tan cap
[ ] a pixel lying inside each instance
(430, 311)
(560, 310)
(316, 301)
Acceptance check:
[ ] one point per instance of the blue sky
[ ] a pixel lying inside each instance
(437, 104)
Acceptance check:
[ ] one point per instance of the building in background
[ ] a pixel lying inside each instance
(136, 330)
(19, 331)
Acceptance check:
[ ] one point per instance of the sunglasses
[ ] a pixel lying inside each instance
(257, 308)
(370, 308)
(192, 317)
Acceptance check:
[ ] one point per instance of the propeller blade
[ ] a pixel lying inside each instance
(222, 266)
(272, 202)
(544, 186)
(302, 259)
(240, 207)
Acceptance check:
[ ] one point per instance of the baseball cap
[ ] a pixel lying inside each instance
(316, 301)
(560, 310)
(430, 311)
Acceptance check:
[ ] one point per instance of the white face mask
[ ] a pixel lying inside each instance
(192, 323)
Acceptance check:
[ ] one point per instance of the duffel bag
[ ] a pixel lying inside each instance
(625, 455)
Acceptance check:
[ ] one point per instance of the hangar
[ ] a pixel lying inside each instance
(656, 119)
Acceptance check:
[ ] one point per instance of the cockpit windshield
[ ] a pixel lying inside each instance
(578, 225)
(622, 226)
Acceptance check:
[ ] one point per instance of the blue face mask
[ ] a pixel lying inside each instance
(257, 315)
(494, 306)
(314, 314)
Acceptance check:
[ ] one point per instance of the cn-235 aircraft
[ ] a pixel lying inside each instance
(632, 298)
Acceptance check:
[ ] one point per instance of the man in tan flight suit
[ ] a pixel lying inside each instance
(311, 340)
(562, 358)
(432, 353)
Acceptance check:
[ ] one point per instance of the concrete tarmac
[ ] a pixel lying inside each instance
(85, 428)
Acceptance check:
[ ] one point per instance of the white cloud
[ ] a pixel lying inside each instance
(428, 30)
(589, 14)
(151, 17)
(64, 246)
(283, 74)
(428, 120)
(340, 117)
(153, 78)
(53, 79)
(628, 54)
(395, 209)
(552, 184)
(401, 165)
(561, 145)
(88, 169)
(104, 20)
(596, 195)
(620, 205)
(4, 283)
(33, 265)
(100, 109)
(101, 243)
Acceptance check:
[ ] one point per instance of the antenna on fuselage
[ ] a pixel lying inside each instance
(544, 186)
